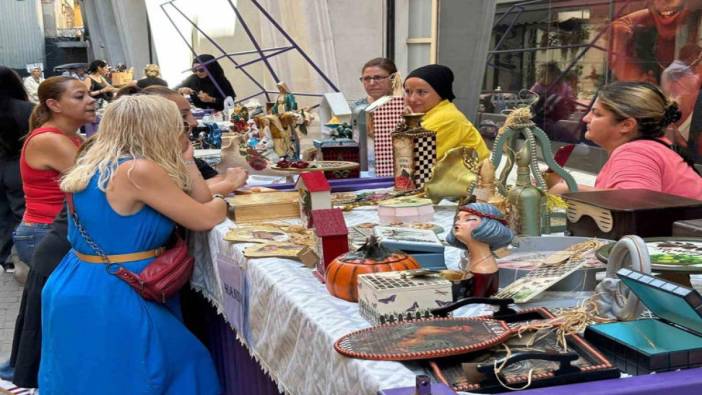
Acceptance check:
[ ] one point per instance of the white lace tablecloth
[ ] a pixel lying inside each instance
(289, 321)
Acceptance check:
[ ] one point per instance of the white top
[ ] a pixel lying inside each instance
(32, 86)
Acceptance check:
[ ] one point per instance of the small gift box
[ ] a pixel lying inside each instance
(344, 150)
(424, 246)
(401, 296)
(405, 209)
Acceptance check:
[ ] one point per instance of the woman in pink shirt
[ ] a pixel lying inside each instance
(628, 120)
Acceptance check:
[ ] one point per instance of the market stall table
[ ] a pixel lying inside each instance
(284, 319)
(288, 320)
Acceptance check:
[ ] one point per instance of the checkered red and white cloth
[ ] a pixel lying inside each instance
(385, 120)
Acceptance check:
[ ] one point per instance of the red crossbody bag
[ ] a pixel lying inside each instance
(161, 279)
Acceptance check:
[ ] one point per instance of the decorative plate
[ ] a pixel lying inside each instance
(320, 165)
(424, 339)
(668, 253)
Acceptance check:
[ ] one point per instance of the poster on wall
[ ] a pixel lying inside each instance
(658, 41)
(583, 45)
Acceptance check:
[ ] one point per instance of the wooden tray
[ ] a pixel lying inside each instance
(321, 165)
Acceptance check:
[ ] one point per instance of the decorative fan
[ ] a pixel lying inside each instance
(439, 337)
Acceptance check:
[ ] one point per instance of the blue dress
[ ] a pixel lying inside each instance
(100, 336)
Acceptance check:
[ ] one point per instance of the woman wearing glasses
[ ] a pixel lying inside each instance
(429, 90)
(376, 77)
(202, 85)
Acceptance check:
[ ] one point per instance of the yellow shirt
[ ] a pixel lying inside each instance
(453, 130)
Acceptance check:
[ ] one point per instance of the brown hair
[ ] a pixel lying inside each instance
(128, 90)
(51, 88)
(548, 73)
(642, 101)
(384, 63)
(158, 90)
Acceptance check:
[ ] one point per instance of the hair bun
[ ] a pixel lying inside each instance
(672, 114)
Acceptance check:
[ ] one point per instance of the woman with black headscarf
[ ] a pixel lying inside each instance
(429, 90)
(207, 86)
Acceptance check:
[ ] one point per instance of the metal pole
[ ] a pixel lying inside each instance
(253, 41)
(287, 36)
(263, 58)
(301, 94)
(219, 89)
(258, 84)
(242, 53)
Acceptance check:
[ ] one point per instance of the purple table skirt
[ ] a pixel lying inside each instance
(346, 184)
(238, 372)
(683, 382)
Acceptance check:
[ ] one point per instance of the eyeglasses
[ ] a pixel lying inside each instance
(199, 70)
(373, 78)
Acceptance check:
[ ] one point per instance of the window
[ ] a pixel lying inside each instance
(421, 37)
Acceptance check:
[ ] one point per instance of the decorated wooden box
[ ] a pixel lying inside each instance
(264, 206)
(401, 296)
(315, 194)
(330, 238)
(385, 115)
(671, 341)
(424, 245)
(414, 154)
(405, 209)
(615, 213)
(345, 150)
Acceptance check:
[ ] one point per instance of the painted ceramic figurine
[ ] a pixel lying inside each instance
(285, 101)
(527, 201)
(265, 144)
(486, 190)
(519, 125)
(481, 228)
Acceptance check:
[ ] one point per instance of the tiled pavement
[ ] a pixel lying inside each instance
(10, 294)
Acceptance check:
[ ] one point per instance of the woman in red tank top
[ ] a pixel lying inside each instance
(48, 151)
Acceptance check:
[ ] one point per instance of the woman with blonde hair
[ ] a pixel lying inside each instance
(628, 120)
(129, 189)
(152, 76)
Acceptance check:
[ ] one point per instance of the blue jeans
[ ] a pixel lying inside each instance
(26, 238)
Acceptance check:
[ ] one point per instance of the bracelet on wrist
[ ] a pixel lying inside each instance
(220, 196)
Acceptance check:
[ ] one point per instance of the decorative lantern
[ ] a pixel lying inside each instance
(414, 153)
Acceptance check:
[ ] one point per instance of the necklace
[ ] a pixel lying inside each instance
(481, 260)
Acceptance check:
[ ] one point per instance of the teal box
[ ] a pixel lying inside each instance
(671, 341)
(429, 260)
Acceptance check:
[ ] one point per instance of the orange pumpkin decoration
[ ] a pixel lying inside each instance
(342, 272)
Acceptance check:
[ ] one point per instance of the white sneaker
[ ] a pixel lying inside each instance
(10, 388)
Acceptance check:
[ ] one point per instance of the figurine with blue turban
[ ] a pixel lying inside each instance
(481, 228)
